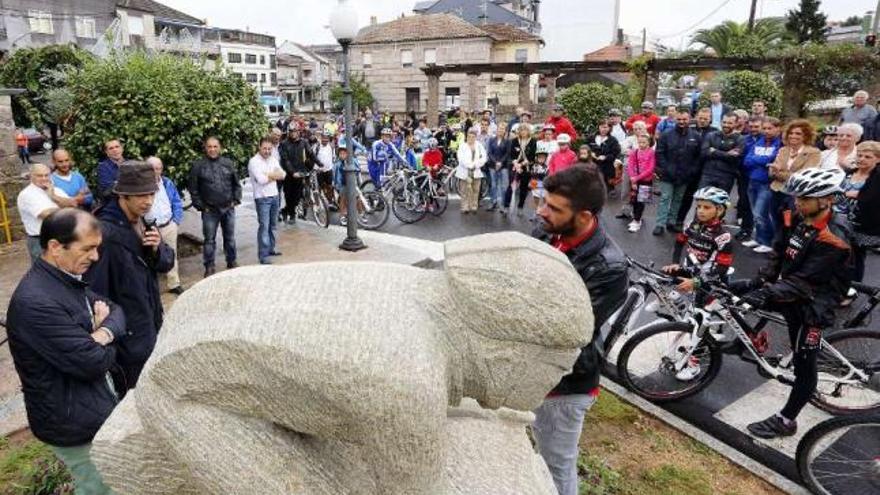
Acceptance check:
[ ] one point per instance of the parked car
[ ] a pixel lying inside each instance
(37, 142)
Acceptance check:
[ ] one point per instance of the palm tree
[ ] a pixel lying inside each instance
(729, 38)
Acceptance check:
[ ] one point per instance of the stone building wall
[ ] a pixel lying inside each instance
(388, 79)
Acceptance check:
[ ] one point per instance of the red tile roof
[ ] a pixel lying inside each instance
(420, 27)
(506, 32)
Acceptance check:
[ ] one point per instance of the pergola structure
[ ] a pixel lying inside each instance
(552, 70)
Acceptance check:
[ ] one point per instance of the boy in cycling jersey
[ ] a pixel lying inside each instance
(709, 253)
(433, 158)
(805, 281)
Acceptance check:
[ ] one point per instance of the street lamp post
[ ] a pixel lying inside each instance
(344, 26)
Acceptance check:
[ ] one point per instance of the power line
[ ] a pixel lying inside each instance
(696, 24)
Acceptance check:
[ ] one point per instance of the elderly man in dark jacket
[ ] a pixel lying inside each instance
(570, 217)
(131, 256)
(63, 338)
(215, 191)
(723, 153)
(678, 164)
(297, 160)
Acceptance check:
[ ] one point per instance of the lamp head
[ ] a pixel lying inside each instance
(344, 22)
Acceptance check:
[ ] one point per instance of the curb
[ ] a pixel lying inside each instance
(729, 453)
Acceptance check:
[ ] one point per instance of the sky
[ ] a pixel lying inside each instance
(570, 27)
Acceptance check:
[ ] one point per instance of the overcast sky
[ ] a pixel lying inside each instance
(570, 27)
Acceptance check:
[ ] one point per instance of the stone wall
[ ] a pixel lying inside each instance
(11, 180)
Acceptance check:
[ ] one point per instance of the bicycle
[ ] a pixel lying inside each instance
(372, 208)
(841, 456)
(408, 201)
(313, 199)
(434, 191)
(848, 361)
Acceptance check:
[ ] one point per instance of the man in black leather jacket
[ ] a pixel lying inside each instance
(678, 164)
(297, 160)
(215, 191)
(723, 154)
(570, 217)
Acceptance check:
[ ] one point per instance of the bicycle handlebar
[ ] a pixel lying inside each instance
(651, 271)
(865, 289)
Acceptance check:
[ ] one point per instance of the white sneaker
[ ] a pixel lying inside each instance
(762, 249)
(634, 226)
(690, 371)
(750, 243)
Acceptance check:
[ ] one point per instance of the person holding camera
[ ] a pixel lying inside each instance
(131, 256)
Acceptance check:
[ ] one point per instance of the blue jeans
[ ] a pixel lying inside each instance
(557, 429)
(671, 196)
(267, 217)
(210, 221)
(499, 181)
(760, 196)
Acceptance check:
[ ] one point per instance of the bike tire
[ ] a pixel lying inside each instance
(379, 211)
(850, 343)
(440, 204)
(320, 211)
(828, 435)
(409, 212)
(368, 186)
(452, 187)
(703, 379)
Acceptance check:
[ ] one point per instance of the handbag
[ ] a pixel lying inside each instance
(645, 194)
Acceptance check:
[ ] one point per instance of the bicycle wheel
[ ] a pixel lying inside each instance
(839, 391)
(842, 456)
(319, 210)
(409, 206)
(439, 202)
(453, 185)
(374, 213)
(368, 186)
(646, 363)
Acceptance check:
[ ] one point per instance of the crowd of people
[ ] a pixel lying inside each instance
(811, 202)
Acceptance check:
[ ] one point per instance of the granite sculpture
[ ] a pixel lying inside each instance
(343, 378)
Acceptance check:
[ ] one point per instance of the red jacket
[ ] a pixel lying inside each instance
(561, 160)
(432, 158)
(562, 126)
(651, 121)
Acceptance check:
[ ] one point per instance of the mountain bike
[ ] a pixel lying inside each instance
(848, 361)
(434, 191)
(408, 201)
(372, 208)
(313, 199)
(841, 456)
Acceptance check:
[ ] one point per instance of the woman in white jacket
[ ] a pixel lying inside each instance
(471, 158)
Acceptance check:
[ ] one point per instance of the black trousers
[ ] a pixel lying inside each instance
(805, 345)
(523, 179)
(743, 206)
(293, 191)
(688, 200)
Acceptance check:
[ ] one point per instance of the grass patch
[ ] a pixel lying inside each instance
(30, 468)
(611, 409)
(597, 477)
(674, 480)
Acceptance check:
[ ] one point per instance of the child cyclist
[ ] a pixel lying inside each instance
(709, 253)
(539, 172)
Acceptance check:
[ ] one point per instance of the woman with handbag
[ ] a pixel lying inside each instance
(522, 150)
(471, 158)
(640, 168)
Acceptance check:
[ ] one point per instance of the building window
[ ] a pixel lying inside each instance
(263, 77)
(85, 27)
(412, 100)
(233, 58)
(251, 77)
(41, 22)
(430, 55)
(272, 62)
(136, 26)
(307, 74)
(273, 78)
(262, 60)
(250, 58)
(368, 60)
(453, 97)
(406, 58)
(521, 56)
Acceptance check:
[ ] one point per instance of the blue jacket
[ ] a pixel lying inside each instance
(382, 153)
(73, 186)
(665, 125)
(108, 171)
(63, 371)
(759, 157)
(176, 202)
(498, 152)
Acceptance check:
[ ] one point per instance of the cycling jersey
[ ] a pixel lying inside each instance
(709, 251)
(381, 154)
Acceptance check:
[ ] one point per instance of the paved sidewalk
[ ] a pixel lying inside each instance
(299, 244)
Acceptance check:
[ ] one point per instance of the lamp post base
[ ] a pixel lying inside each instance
(352, 244)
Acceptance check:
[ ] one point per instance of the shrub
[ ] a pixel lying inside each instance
(588, 104)
(740, 88)
(161, 105)
(361, 97)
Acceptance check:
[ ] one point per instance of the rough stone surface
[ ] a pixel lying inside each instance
(280, 380)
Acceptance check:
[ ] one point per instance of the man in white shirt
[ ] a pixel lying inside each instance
(167, 213)
(265, 172)
(326, 154)
(35, 202)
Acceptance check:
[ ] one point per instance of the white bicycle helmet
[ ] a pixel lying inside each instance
(542, 148)
(815, 183)
(713, 195)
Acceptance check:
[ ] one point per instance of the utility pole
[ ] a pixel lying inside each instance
(752, 15)
(644, 40)
(876, 18)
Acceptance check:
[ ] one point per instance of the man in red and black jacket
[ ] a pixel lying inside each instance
(805, 281)
(561, 124)
(570, 222)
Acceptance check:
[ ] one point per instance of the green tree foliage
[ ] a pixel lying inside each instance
(807, 23)
(733, 39)
(740, 88)
(40, 71)
(588, 104)
(852, 20)
(361, 95)
(161, 105)
(815, 72)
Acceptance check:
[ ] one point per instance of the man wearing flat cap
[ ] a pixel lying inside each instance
(131, 256)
